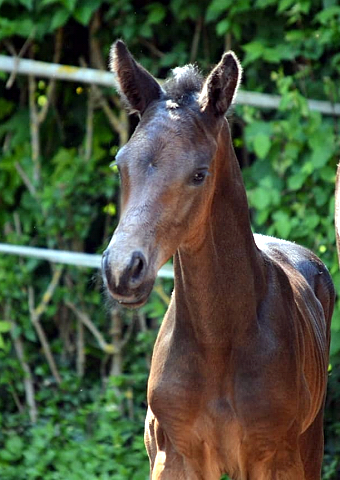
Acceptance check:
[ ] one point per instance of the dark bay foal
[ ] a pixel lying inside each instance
(239, 369)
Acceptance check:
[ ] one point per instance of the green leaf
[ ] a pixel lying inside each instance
(27, 3)
(254, 50)
(285, 5)
(223, 27)
(259, 198)
(256, 128)
(313, 220)
(296, 181)
(156, 14)
(320, 195)
(216, 8)
(69, 4)
(145, 30)
(335, 342)
(284, 51)
(323, 146)
(261, 216)
(4, 326)
(327, 174)
(5, 108)
(83, 12)
(262, 145)
(42, 3)
(22, 26)
(59, 19)
(328, 14)
(265, 3)
(14, 446)
(282, 223)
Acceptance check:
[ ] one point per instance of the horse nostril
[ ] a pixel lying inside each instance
(137, 269)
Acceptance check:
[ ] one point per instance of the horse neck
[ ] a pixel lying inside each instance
(220, 279)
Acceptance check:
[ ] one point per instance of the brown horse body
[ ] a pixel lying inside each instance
(239, 368)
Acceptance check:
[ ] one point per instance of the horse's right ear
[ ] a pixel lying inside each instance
(219, 89)
(137, 85)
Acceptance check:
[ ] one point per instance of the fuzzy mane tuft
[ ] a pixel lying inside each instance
(184, 84)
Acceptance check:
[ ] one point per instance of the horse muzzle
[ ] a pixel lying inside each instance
(126, 276)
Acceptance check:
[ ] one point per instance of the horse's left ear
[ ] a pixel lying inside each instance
(220, 87)
(135, 84)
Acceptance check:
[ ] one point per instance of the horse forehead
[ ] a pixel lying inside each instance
(167, 135)
(160, 123)
(177, 127)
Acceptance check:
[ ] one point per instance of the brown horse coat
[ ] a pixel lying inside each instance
(239, 368)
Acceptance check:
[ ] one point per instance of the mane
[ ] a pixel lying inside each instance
(183, 85)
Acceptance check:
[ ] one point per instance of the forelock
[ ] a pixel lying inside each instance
(184, 84)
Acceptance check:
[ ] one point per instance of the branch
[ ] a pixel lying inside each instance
(13, 52)
(28, 378)
(34, 125)
(52, 83)
(89, 125)
(16, 397)
(144, 329)
(227, 41)
(85, 319)
(96, 57)
(128, 333)
(119, 124)
(196, 39)
(80, 349)
(151, 47)
(161, 293)
(116, 333)
(26, 180)
(17, 223)
(36, 313)
(112, 118)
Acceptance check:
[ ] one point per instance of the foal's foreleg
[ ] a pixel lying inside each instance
(168, 464)
(280, 462)
(165, 463)
(271, 471)
(311, 447)
(150, 437)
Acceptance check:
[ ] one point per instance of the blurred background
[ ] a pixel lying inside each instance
(73, 366)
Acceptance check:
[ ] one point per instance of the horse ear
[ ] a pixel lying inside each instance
(220, 87)
(135, 84)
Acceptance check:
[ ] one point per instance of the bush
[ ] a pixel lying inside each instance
(73, 375)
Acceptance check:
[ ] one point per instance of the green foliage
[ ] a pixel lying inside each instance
(83, 434)
(4, 327)
(291, 185)
(64, 195)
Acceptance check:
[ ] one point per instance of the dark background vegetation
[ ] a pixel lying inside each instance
(73, 371)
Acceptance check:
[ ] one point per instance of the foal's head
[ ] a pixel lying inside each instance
(167, 168)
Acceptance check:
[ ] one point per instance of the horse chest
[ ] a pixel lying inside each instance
(208, 394)
(189, 395)
(193, 420)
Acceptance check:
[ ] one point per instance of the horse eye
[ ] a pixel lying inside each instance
(199, 178)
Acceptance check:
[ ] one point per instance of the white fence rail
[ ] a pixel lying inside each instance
(68, 258)
(24, 66)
